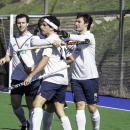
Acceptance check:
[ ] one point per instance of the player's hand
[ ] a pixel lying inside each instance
(58, 43)
(64, 34)
(71, 42)
(2, 61)
(27, 81)
(71, 47)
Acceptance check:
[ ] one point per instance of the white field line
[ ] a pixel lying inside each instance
(105, 107)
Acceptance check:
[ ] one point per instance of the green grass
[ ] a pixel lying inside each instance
(111, 119)
(59, 6)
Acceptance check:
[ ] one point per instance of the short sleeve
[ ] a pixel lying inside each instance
(47, 52)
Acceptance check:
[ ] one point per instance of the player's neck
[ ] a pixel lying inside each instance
(83, 31)
(23, 33)
(50, 33)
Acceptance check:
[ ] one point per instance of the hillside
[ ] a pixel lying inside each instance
(59, 6)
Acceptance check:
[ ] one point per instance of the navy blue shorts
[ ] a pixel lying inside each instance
(85, 90)
(27, 90)
(35, 87)
(52, 92)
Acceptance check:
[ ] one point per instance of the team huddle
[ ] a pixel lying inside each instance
(46, 96)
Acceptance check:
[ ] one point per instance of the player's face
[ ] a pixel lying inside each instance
(81, 27)
(45, 29)
(22, 25)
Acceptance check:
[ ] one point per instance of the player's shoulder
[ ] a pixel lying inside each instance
(35, 37)
(15, 36)
(89, 34)
(29, 34)
(13, 39)
(54, 36)
(39, 36)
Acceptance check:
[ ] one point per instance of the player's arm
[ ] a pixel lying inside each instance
(58, 43)
(69, 56)
(78, 38)
(8, 56)
(75, 37)
(5, 59)
(28, 70)
(36, 41)
(69, 59)
(39, 67)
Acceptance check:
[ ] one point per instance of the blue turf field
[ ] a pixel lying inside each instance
(107, 101)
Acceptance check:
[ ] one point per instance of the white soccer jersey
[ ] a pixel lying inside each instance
(36, 41)
(55, 62)
(84, 66)
(18, 72)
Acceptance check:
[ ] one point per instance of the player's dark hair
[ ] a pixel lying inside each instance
(22, 16)
(54, 20)
(87, 19)
(40, 21)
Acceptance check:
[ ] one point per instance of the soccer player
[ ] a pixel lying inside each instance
(49, 111)
(53, 88)
(37, 56)
(84, 80)
(23, 64)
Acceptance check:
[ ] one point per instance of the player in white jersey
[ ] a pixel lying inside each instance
(84, 80)
(22, 66)
(53, 88)
(49, 111)
(37, 55)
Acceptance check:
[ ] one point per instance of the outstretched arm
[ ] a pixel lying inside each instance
(36, 41)
(75, 37)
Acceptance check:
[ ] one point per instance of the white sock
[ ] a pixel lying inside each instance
(95, 120)
(65, 123)
(20, 114)
(47, 120)
(37, 118)
(80, 119)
